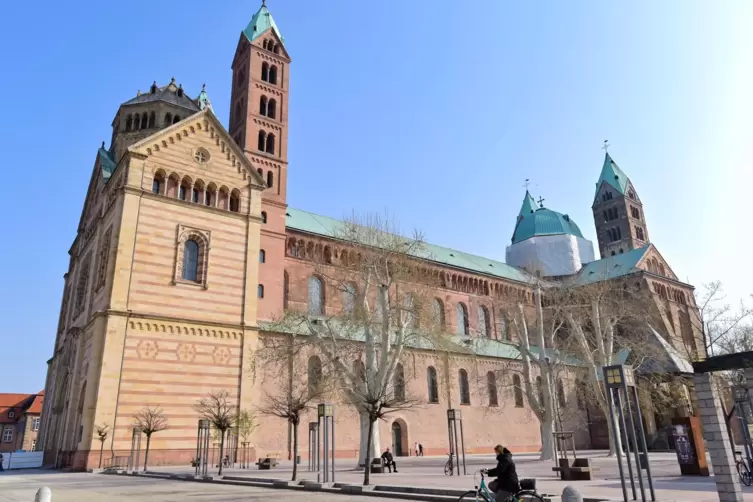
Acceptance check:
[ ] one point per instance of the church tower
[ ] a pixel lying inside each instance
(618, 212)
(259, 125)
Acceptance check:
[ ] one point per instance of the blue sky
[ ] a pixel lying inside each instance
(436, 110)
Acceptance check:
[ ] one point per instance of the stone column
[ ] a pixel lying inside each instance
(717, 441)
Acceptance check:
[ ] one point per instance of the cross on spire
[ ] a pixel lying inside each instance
(263, 3)
(526, 184)
(606, 146)
(541, 201)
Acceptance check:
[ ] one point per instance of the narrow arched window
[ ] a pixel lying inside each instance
(285, 289)
(265, 72)
(129, 123)
(273, 74)
(152, 120)
(182, 192)
(262, 143)
(517, 391)
(263, 106)
(315, 375)
(235, 202)
(462, 319)
(465, 393)
(277, 49)
(158, 183)
(264, 43)
(272, 109)
(349, 298)
(561, 393)
(176, 119)
(168, 119)
(431, 376)
(270, 179)
(399, 383)
(270, 144)
(260, 291)
(316, 296)
(438, 313)
(195, 195)
(262, 256)
(491, 388)
(144, 120)
(263, 217)
(137, 122)
(484, 327)
(191, 261)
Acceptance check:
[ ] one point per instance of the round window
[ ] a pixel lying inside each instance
(201, 155)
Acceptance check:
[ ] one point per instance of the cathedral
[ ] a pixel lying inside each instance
(186, 249)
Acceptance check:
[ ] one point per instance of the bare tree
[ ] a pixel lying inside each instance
(246, 425)
(221, 413)
(150, 420)
(101, 431)
(386, 307)
(725, 328)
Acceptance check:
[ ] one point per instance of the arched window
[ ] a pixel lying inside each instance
(265, 43)
(270, 143)
(265, 72)
(462, 319)
(517, 391)
(137, 122)
(260, 291)
(158, 183)
(327, 255)
(129, 123)
(484, 326)
(316, 296)
(315, 374)
(263, 216)
(272, 109)
(262, 143)
(144, 120)
(270, 179)
(152, 119)
(262, 256)
(168, 119)
(273, 74)
(176, 119)
(491, 388)
(504, 332)
(191, 261)
(235, 201)
(639, 233)
(263, 105)
(277, 49)
(285, 289)
(561, 393)
(465, 393)
(349, 298)
(195, 195)
(431, 375)
(399, 383)
(438, 313)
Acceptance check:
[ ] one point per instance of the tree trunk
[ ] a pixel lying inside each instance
(367, 465)
(295, 449)
(547, 440)
(367, 430)
(101, 449)
(222, 450)
(615, 431)
(146, 454)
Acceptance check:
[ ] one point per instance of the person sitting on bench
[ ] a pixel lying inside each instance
(389, 460)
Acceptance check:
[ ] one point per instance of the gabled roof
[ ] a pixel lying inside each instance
(611, 267)
(36, 405)
(260, 23)
(544, 222)
(19, 403)
(169, 93)
(304, 221)
(612, 175)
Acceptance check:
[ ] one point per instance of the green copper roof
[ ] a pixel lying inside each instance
(106, 163)
(611, 267)
(329, 227)
(613, 175)
(544, 222)
(260, 23)
(529, 205)
(203, 99)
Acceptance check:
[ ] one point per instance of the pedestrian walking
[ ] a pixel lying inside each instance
(421, 449)
(415, 449)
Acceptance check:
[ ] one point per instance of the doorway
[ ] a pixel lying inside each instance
(399, 438)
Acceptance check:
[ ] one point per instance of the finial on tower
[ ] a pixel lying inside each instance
(541, 201)
(526, 184)
(606, 146)
(203, 87)
(263, 3)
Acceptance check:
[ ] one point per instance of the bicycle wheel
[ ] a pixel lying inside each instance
(474, 495)
(744, 473)
(527, 496)
(448, 468)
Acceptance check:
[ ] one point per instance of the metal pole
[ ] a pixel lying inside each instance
(205, 460)
(462, 444)
(368, 464)
(643, 444)
(318, 445)
(615, 438)
(457, 454)
(449, 435)
(633, 440)
(618, 403)
(198, 443)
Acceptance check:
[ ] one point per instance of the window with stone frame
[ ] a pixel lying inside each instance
(82, 284)
(35, 424)
(8, 434)
(104, 253)
(192, 256)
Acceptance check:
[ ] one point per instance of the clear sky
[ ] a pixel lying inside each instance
(436, 110)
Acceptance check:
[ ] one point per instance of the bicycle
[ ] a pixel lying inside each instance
(746, 477)
(527, 493)
(449, 467)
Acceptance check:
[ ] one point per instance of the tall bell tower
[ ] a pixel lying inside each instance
(259, 125)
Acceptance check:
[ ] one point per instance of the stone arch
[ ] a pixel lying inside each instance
(400, 442)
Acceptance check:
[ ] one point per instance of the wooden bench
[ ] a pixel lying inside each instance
(377, 466)
(266, 463)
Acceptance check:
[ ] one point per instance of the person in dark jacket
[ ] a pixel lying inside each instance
(506, 483)
(389, 460)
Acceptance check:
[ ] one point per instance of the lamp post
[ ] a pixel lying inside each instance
(326, 425)
(455, 417)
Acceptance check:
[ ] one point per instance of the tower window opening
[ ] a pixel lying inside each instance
(137, 122)
(265, 72)
(262, 141)
(270, 179)
(176, 119)
(144, 120)
(270, 144)
(273, 74)
(272, 109)
(263, 106)
(129, 123)
(152, 119)
(168, 119)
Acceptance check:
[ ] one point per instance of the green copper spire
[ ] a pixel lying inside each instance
(613, 176)
(260, 23)
(203, 99)
(529, 205)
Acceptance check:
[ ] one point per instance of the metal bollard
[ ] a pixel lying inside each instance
(571, 494)
(44, 494)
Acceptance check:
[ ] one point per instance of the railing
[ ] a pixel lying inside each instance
(116, 462)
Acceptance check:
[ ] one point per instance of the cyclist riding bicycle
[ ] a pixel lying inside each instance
(506, 483)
